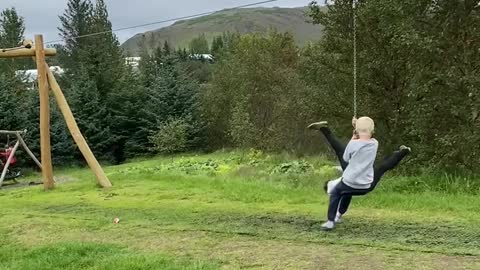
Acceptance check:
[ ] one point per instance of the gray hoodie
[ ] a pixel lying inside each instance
(360, 155)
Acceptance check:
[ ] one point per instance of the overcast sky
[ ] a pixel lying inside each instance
(41, 17)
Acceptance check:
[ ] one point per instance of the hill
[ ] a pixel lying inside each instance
(250, 20)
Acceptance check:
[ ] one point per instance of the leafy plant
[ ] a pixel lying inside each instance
(171, 137)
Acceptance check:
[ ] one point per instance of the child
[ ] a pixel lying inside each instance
(387, 164)
(357, 177)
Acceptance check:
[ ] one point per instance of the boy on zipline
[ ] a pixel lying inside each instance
(361, 177)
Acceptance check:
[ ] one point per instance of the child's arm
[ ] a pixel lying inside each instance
(348, 153)
(355, 135)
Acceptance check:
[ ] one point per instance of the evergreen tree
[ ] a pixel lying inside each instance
(92, 116)
(199, 45)
(11, 109)
(175, 95)
(63, 148)
(106, 59)
(77, 20)
(132, 120)
(217, 45)
(166, 48)
(95, 70)
(12, 29)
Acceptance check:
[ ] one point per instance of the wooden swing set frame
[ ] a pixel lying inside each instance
(20, 142)
(47, 80)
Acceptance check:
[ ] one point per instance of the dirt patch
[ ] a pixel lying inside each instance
(34, 182)
(235, 251)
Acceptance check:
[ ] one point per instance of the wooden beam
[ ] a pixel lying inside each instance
(75, 131)
(24, 145)
(5, 167)
(12, 132)
(16, 53)
(46, 155)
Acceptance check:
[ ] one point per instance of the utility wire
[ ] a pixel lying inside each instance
(160, 22)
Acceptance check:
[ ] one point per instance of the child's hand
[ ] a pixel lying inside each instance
(355, 135)
(354, 121)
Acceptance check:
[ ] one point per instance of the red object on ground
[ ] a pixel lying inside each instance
(5, 154)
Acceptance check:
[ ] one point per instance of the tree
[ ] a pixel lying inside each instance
(217, 45)
(256, 94)
(93, 117)
(132, 121)
(107, 60)
(77, 20)
(11, 111)
(166, 48)
(62, 145)
(174, 94)
(12, 29)
(419, 54)
(96, 69)
(171, 137)
(199, 45)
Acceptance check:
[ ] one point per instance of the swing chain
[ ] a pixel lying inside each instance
(354, 8)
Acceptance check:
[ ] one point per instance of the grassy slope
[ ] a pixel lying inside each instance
(231, 213)
(260, 20)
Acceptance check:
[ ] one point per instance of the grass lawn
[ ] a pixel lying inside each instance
(236, 211)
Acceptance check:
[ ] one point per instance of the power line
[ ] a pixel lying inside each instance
(160, 22)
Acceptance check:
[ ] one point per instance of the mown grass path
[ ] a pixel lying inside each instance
(219, 212)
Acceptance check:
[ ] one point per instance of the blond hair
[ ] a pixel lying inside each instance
(364, 126)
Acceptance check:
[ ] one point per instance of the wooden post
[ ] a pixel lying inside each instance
(46, 156)
(5, 168)
(75, 131)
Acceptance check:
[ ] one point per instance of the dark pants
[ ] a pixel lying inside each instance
(341, 200)
(340, 197)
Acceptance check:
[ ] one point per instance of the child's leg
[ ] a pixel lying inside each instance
(337, 146)
(340, 192)
(344, 204)
(387, 164)
(335, 199)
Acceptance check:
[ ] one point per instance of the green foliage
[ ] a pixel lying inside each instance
(95, 77)
(171, 136)
(209, 167)
(295, 167)
(77, 20)
(11, 104)
(199, 45)
(175, 94)
(93, 117)
(419, 54)
(12, 29)
(256, 94)
(217, 45)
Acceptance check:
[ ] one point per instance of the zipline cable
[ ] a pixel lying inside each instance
(160, 22)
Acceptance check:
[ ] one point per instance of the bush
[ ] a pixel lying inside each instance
(171, 137)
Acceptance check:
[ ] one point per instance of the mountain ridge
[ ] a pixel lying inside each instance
(247, 20)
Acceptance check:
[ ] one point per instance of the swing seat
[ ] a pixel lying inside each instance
(12, 175)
